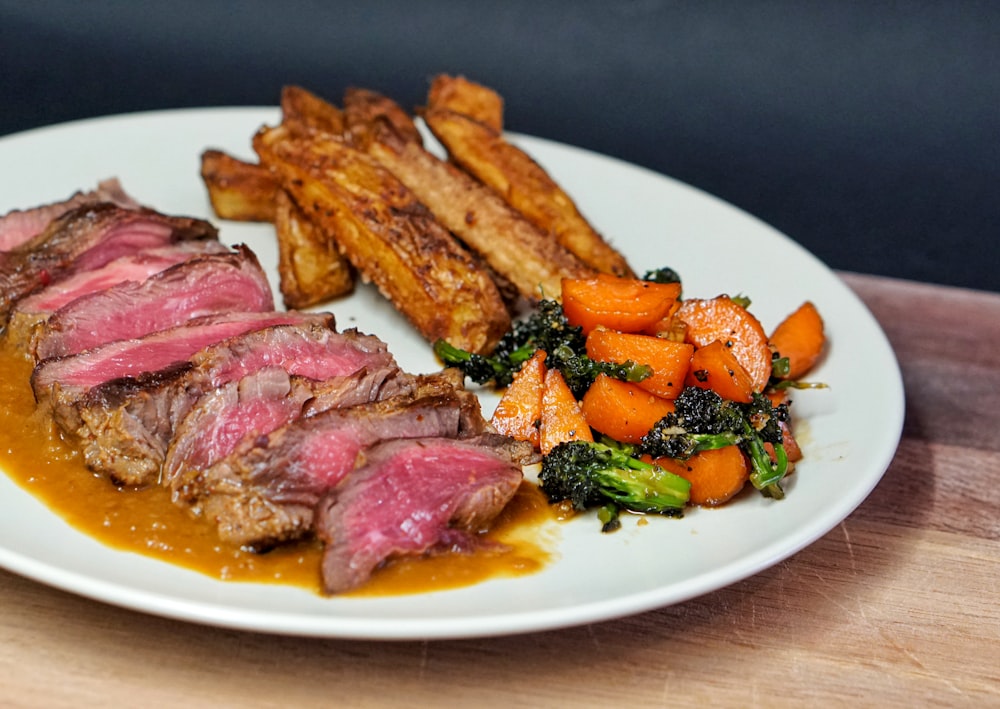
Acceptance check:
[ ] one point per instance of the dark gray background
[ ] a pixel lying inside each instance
(866, 131)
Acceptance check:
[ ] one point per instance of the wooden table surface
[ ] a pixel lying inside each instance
(897, 605)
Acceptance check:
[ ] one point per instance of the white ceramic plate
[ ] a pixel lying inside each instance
(851, 430)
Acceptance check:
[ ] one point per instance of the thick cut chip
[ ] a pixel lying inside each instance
(511, 245)
(390, 237)
(513, 248)
(458, 94)
(238, 190)
(370, 115)
(527, 187)
(311, 269)
(303, 111)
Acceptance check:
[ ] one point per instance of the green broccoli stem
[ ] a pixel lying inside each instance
(766, 474)
(477, 367)
(643, 487)
(609, 516)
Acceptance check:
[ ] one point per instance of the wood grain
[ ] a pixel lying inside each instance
(897, 605)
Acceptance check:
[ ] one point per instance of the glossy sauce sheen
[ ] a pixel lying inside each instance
(145, 521)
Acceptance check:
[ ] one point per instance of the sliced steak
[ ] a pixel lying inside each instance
(84, 238)
(61, 382)
(410, 497)
(35, 309)
(124, 426)
(265, 490)
(21, 225)
(204, 285)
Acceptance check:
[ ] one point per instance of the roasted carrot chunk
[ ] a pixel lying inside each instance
(723, 319)
(669, 360)
(519, 412)
(622, 410)
(800, 338)
(623, 304)
(562, 417)
(715, 367)
(715, 475)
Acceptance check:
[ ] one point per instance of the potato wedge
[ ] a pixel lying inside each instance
(390, 237)
(517, 253)
(511, 245)
(526, 186)
(369, 114)
(303, 111)
(238, 190)
(458, 94)
(311, 269)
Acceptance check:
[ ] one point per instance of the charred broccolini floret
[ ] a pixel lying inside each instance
(545, 329)
(587, 474)
(703, 420)
(664, 274)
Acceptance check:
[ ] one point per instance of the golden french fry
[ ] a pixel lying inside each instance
(390, 237)
(311, 269)
(369, 115)
(303, 111)
(238, 190)
(517, 253)
(514, 248)
(458, 94)
(527, 187)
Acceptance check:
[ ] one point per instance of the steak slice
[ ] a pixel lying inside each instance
(203, 285)
(125, 426)
(35, 309)
(84, 238)
(21, 225)
(265, 490)
(60, 382)
(410, 497)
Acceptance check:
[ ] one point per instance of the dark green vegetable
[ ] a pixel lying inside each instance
(609, 476)
(662, 275)
(545, 329)
(703, 420)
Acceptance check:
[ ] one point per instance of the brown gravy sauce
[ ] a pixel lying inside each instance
(145, 521)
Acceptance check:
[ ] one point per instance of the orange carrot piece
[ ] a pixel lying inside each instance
(669, 360)
(624, 304)
(622, 410)
(715, 367)
(562, 417)
(715, 475)
(723, 319)
(800, 338)
(519, 412)
(667, 326)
